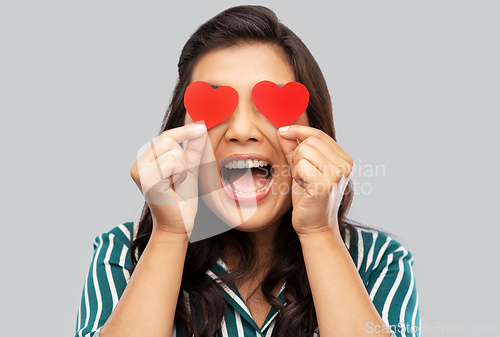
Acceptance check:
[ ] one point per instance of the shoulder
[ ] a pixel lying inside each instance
(108, 276)
(386, 268)
(373, 250)
(113, 247)
(124, 233)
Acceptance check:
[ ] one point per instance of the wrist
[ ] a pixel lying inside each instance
(320, 235)
(323, 227)
(159, 236)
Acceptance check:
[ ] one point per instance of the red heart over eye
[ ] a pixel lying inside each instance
(202, 102)
(281, 106)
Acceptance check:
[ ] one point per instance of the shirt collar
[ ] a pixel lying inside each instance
(234, 299)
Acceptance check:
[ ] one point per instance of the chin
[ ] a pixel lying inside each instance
(256, 223)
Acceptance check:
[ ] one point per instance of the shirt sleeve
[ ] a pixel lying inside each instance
(390, 282)
(107, 278)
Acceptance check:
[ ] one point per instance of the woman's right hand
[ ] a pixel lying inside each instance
(167, 176)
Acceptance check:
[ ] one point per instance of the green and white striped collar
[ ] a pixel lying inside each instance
(234, 299)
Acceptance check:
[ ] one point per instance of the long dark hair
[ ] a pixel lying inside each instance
(203, 314)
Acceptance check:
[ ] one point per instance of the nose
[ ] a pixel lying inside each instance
(243, 123)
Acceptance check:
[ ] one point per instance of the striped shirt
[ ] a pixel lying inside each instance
(383, 264)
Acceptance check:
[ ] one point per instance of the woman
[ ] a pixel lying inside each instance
(293, 265)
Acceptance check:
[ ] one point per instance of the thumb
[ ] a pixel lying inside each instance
(193, 150)
(288, 146)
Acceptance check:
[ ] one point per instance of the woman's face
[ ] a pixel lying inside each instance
(250, 198)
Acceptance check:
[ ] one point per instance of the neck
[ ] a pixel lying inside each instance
(263, 241)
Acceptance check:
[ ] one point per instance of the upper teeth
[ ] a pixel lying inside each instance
(245, 163)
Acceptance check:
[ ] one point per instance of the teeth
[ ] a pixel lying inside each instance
(245, 163)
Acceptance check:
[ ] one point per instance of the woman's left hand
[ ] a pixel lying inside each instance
(320, 171)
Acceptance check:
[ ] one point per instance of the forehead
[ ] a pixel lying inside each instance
(244, 64)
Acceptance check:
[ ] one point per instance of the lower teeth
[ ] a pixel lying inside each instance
(248, 193)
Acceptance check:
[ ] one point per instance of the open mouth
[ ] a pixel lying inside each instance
(247, 179)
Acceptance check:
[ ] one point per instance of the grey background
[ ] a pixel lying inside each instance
(414, 85)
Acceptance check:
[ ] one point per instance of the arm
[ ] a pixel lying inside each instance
(320, 167)
(167, 177)
(343, 307)
(147, 306)
(106, 286)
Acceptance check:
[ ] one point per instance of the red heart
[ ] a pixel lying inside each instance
(202, 102)
(281, 106)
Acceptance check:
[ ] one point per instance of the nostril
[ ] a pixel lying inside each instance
(249, 139)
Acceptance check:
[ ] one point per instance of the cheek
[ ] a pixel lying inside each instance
(214, 138)
(302, 120)
(188, 119)
(203, 182)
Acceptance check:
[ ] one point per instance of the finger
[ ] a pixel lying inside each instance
(324, 166)
(193, 152)
(329, 163)
(155, 173)
(151, 152)
(288, 146)
(161, 194)
(301, 132)
(307, 175)
(313, 182)
(171, 139)
(173, 165)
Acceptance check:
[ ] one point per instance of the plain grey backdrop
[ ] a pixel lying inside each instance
(415, 90)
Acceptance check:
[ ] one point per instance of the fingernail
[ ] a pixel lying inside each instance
(200, 127)
(283, 129)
